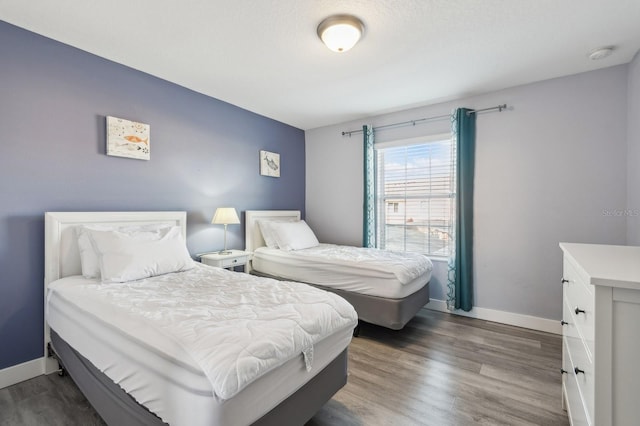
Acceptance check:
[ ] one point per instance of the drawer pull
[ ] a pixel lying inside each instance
(564, 281)
(563, 322)
(579, 311)
(578, 371)
(563, 371)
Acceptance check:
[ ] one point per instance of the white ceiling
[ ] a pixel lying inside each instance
(265, 56)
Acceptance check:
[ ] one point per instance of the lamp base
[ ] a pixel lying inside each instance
(225, 252)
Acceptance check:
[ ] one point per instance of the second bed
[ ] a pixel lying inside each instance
(386, 288)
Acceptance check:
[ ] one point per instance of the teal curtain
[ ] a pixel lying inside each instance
(460, 279)
(369, 215)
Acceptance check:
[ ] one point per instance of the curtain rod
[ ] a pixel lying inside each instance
(422, 120)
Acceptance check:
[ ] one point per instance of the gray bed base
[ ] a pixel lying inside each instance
(389, 313)
(116, 407)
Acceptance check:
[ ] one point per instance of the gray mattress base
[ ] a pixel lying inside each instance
(117, 407)
(389, 313)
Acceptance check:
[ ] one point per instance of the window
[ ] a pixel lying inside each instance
(415, 195)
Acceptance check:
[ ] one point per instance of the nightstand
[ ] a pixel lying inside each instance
(227, 261)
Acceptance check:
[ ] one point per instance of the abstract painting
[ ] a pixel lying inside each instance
(269, 164)
(128, 139)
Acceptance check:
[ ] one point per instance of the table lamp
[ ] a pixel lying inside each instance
(225, 216)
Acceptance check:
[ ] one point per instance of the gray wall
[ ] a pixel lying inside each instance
(53, 103)
(633, 157)
(547, 171)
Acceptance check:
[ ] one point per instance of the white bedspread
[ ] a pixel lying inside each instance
(235, 326)
(405, 266)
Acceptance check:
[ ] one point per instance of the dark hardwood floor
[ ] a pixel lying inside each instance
(440, 370)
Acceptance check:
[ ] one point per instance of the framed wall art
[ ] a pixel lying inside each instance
(128, 139)
(269, 164)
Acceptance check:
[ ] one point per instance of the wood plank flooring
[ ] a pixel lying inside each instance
(440, 370)
(444, 369)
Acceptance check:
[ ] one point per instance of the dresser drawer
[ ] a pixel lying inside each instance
(575, 406)
(575, 356)
(579, 295)
(569, 329)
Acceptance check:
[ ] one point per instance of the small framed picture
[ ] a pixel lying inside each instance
(128, 139)
(269, 164)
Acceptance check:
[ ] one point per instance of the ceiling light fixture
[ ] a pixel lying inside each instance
(340, 32)
(601, 53)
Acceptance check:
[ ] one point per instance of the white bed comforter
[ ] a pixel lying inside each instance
(405, 266)
(235, 326)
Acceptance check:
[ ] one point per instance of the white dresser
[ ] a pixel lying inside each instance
(601, 334)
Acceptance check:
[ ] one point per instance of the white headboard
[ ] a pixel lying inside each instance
(253, 236)
(61, 254)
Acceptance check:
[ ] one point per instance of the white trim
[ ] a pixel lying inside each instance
(503, 317)
(49, 363)
(21, 372)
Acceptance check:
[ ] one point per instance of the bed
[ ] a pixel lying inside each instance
(139, 359)
(376, 294)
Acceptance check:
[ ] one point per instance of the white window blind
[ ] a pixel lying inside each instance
(415, 195)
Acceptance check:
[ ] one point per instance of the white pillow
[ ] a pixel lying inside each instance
(88, 256)
(127, 257)
(294, 235)
(268, 234)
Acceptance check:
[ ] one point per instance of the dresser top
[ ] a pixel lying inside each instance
(613, 266)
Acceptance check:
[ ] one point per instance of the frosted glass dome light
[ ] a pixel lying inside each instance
(340, 32)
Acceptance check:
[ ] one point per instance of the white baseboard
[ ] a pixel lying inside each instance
(21, 372)
(503, 317)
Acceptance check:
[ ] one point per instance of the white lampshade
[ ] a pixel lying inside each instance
(225, 216)
(340, 32)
